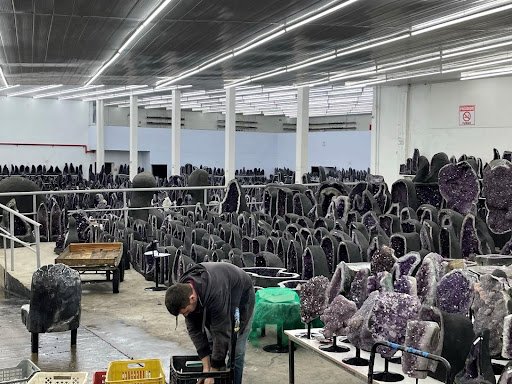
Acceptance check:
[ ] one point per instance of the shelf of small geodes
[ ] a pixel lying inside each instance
(360, 372)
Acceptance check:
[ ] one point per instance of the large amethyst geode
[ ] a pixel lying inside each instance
(455, 292)
(427, 277)
(497, 187)
(336, 316)
(313, 298)
(458, 184)
(383, 260)
(426, 337)
(359, 287)
(490, 306)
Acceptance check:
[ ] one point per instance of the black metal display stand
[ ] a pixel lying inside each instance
(388, 376)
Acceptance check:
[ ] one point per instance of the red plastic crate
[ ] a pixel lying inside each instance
(99, 377)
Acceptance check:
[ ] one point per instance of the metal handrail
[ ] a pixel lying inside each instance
(9, 235)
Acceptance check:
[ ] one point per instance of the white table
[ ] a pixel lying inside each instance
(337, 358)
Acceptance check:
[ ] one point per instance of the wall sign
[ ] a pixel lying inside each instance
(466, 115)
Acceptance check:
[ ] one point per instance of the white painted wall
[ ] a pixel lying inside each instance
(30, 121)
(432, 121)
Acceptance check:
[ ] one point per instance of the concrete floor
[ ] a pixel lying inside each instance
(131, 324)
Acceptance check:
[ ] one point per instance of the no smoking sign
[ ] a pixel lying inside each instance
(467, 115)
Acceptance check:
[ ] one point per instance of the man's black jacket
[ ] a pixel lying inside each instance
(221, 287)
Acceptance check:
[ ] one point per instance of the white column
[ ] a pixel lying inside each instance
(230, 129)
(100, 136)
(134, 122)
(176, 133)
(301, 143)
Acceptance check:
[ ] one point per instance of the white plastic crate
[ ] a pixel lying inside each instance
(19, 374)
(59, 378)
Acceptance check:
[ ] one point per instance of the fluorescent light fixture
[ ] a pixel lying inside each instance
(364, 46)
(130, 93)
(9, 87)
(474, 50)
(34, 90)
(320, 15)
(67, 91)
(310, 63)
(258, 43)
(459, 18)
(270, 32)
(102, 92)
(489, 73)
(137, 32)
(475, 66)
(103, 68)
(352, 75)
(154, 14)
(2, 76)
(410, 64)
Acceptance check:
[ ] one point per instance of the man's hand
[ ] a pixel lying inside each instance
(207, 368)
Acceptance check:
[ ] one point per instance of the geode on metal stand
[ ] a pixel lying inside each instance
(313, 300)
(491, 304)
(335, 319)
(426, 337)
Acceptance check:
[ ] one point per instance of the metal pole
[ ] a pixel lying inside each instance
(125, 210)
(34, 206)
(38, 247)
(11, 230)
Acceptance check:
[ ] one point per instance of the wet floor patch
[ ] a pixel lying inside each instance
(100, 340)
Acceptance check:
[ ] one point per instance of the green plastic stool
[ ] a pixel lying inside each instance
(279, 306)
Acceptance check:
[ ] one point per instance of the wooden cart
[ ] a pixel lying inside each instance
(95, 258)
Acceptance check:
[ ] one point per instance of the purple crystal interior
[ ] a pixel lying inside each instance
(426, 278)
(383, 260)
(313, 298)
(397, 242)
(307, 265)
(458, 184)
(497, 186)
(407, 264)
(423, 336)
(389, 317)
(455, 292)
(359, 287)
(328, 247)
(372, 284)
(407, 285)
(469, 242)
(336, 316)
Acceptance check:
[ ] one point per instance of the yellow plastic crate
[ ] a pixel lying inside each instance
(146, 371)
(59, 378)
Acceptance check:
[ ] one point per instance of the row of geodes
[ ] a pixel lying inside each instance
(420, 303)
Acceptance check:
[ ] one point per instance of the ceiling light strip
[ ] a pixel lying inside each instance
(34, 90)
(137, 32)
(67, 91)
(102, 92)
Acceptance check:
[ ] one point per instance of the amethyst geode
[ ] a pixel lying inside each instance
(407, 265)
(428, 275)
(490, 306)
(406, 284)
(389, 316)
(426, 337)
(359, 287)
(455, 292)
(497, 188)
(313, 298)
(383, 260)
(458, 184)
(336, 316)
(340, 281)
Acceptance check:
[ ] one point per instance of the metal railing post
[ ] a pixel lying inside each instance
(34, 206)
(11, 231)
(5, 254)
(205, 197)
(125, 210)
(38, 246)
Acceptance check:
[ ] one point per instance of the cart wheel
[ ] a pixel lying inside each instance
(121, 273)
(108, 275)
(115, 281)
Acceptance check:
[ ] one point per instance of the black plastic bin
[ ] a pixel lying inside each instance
(181, 374)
